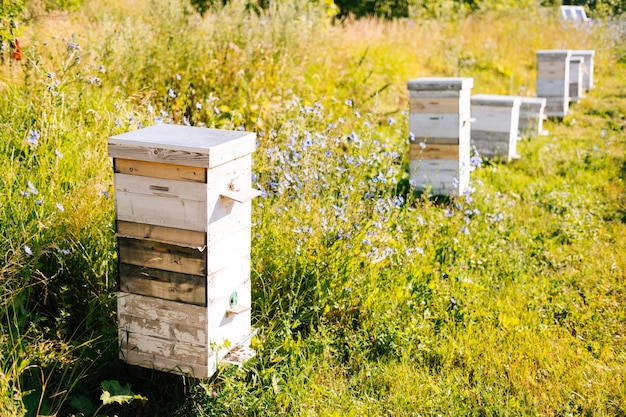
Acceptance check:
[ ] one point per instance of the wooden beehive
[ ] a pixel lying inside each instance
(576, 70)
(531, 115)
(553, 81)
(439, 121)
(587, 67)
(183, 217)
(495, 126)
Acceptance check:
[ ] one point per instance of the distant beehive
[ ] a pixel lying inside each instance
(576, 70)
(183, 216)
(496, 120)
(587, 68)
(439, 121)
(553, 80)
(531, 115)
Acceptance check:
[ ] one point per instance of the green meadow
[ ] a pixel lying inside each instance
(369, 299)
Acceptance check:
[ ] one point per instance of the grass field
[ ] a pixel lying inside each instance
(368, 299)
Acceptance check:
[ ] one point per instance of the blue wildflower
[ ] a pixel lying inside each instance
(33, 137)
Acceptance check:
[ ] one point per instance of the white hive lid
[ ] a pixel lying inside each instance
(495, 100)
(182, 145)
(550, 54)
(440, 84)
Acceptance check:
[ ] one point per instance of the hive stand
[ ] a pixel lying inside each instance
(183, 217)
(439, 121)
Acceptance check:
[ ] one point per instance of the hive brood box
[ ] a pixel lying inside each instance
(553, 80)
(183, 217)
(439, 120)
(531, 115)
(587, 67)
(576, 69)
(495, 126)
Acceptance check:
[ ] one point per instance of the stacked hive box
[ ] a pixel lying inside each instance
(439, 122)
(576, 70)
(531, 115)
(182, 198)
(553, 81)
(494, 131)
(587, 55)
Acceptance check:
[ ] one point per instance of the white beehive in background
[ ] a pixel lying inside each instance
(496, 120)
(439, 122)
(587, 68)
(183, 217)
(531, 115)
(553, 80)
(576, 70)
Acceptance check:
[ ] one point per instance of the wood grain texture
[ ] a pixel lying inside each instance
(167, 285)
(182, 145)
(434, 105)
(434, 151)
(160, 170)
(162, 256)
(181, 237)
(161, 202)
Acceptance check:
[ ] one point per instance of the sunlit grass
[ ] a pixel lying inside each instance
(368, 299)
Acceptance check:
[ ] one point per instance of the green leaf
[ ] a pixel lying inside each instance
(113, 392)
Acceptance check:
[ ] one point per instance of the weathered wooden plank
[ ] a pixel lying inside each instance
(163, 256)
(161, 202)
(440, 84)
(153, 361)
(182, 352)
(156, 327)
(424, 125)
(163, 284)
(552, 88)
(495, 119)
(159, 170)
(160, 187)
(434, 105)
(495, 144)
(181, 237)
(166, 310)
(434, 151)
(182, 145)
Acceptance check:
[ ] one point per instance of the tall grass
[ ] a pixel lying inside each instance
(368, 299)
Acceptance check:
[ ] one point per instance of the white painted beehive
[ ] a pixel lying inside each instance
(576, 69)
(553, 81)
(531, 115)
(439, 121)
(588, 55)
(183, 217)
(496, 120)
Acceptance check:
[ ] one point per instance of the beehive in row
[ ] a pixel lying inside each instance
(183, 218)
(576, 70)
(588, 67)
(439, 122)
(553, 80)
(496, 120)
(531, 115)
